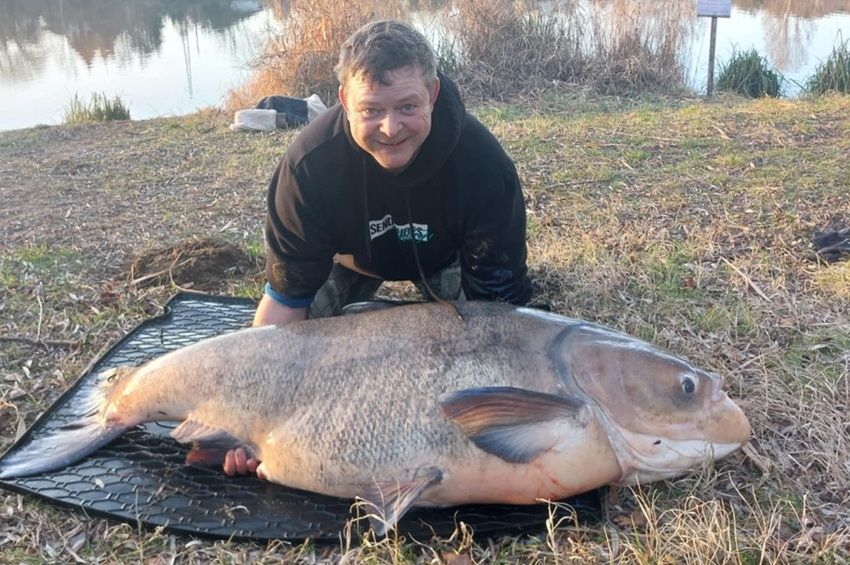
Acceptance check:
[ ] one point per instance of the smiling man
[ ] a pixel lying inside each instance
(397, 182)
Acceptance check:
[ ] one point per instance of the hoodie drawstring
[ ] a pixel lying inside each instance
(430, 290)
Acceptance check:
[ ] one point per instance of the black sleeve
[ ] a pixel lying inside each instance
(493, 249)
(300, 251)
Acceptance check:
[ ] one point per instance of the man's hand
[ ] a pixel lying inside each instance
(236, 462)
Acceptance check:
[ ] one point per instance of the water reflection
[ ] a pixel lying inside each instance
(794, 35)
(119, 31)
(790, 26)
(809, 9)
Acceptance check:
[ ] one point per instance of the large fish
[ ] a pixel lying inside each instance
(417, 405)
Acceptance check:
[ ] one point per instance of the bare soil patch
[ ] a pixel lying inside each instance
(198, 264)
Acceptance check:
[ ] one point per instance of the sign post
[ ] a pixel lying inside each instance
(713, 9)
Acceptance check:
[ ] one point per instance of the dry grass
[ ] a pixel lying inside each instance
(505, 47)
(684, 222)
(495, 49)
(300, 61)
(502, 47)
(637, 47)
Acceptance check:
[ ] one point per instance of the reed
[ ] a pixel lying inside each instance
(636, 46)
(494, 49)
(503, 47)
(300, 61)
(510, 47)
(749, 74)
(98, 109)
(833, 75)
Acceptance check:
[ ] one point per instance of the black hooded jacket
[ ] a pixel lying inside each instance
(461, 194)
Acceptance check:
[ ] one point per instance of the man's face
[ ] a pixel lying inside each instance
(390, 123)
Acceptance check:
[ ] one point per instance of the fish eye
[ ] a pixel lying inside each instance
(688, 385)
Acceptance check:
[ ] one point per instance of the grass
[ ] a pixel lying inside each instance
(833, 75)
(98, 109)
(749, 74)
(684, 222)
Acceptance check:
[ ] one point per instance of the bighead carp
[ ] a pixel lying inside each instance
(415, 405)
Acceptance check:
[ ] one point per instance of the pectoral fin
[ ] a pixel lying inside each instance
(514, 424)
(209, 445)
(391, 499)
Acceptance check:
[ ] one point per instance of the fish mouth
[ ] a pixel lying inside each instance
(732, 425)
(647, 457)
(672, 459)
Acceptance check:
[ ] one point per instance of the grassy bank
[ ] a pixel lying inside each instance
(683, 222)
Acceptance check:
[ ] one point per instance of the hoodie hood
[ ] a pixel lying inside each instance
(447, 121)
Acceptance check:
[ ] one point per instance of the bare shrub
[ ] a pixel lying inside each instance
(494, 49)
(638, 45)
(300, 61)
(502, 47)
(505, 46)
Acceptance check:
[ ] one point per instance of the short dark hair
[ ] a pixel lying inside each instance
(383, 46)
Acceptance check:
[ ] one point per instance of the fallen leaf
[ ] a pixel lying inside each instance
(634, 519)
(21, 429)
(78, 541)
(758, 460)
(452, 558)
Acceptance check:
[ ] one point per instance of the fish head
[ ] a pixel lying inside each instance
(664, 416)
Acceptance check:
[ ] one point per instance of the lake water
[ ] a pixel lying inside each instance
(162, 57)
(794, 35)
(171, 57)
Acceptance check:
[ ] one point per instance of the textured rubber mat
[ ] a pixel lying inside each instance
(140, 478)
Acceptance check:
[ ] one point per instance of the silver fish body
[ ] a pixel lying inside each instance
(415, 405)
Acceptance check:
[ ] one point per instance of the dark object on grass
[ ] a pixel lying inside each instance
(291, 112)
(749, 74)
(141, 477)
(832, 245)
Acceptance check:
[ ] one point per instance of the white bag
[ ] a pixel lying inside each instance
(254, 120)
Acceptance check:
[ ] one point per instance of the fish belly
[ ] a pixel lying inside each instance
(582, 460)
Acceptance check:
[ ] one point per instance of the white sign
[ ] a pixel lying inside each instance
(714, 8)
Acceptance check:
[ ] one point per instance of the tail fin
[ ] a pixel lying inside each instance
(71, 442)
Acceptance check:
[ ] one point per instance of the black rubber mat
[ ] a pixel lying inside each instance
(140, 478)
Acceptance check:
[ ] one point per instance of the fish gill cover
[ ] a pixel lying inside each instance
(141, 477)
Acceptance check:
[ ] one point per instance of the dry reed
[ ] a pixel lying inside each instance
(494, 49)
(300, 61)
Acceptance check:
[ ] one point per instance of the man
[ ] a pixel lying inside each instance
(397, 182)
